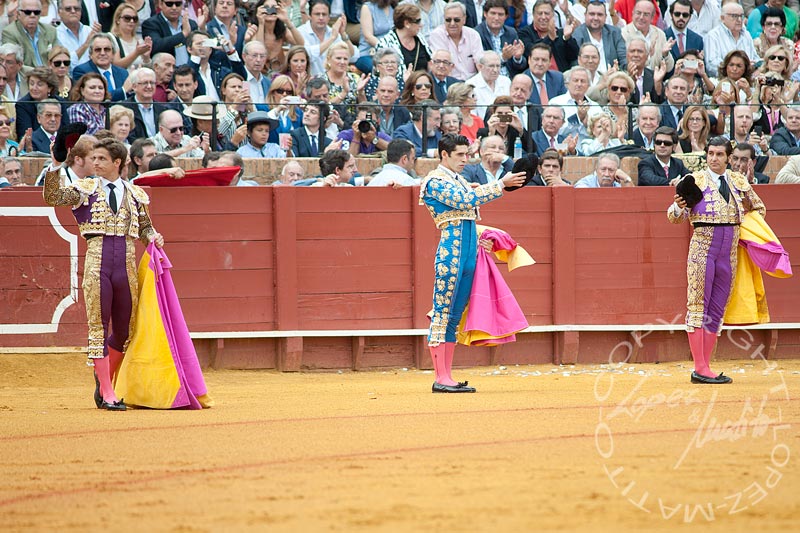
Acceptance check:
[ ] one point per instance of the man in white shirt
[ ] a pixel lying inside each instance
(726, 37)
(171, 140)
(577, 108)
(318, 36)
(255, 57)
(705, 16)
(73, 35)
(488, 82)
(464, 44)
(606, 174)
(401, 158)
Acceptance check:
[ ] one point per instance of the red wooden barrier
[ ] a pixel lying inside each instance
(301, 260)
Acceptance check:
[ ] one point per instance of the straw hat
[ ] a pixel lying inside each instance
(203, 109)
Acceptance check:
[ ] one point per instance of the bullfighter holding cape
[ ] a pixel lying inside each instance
(730, 239)
(111, 215)
(453, 203)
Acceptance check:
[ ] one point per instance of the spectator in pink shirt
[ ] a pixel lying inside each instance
(463, 43)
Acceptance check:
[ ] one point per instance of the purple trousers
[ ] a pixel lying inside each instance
(710, 273)
(110, 291)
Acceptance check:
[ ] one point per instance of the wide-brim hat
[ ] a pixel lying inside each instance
(202, 108)
(261, 117)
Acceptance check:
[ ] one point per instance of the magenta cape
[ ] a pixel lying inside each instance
(160, 369)
(493, 315)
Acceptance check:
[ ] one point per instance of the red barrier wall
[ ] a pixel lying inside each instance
(300, 259)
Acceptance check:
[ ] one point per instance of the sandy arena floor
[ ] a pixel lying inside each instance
(587, 448)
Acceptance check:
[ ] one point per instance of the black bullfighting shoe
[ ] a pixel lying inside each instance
(461, 387)
(717, 380)
(114, 406)
(98, 398)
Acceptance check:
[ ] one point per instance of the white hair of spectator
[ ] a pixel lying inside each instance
(610, 157)
(11, 48)
(642, 40)
(487, 55)
(134, 77)
(568, 74)
(455, 4)
(108, 36)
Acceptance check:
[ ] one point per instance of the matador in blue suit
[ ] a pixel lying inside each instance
(453, 203)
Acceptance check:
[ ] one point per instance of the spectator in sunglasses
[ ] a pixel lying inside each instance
(132, 51)
(464, 44)
(28, 28)
(660, 168)
(172, 140)
(7, 146)
(58, 59)
(684, 38)
(102, 48)
(419, 87)
(160, 28)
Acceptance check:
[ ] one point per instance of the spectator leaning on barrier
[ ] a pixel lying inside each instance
(290, 173)
(606, 174)
(338, 167)
(141, 152)
(401, 159)
(551, 166)
(12, 170)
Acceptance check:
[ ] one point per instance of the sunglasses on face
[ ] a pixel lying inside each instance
(457, 20)
(661, 142)
(106, 50)
(6, 122)
(31, 12)
(62, 62)
(415, 21)
(616, 88)
(773, 58)
(422, 85)
(72, 9)
(681, 15)
(130, 18)
(173, 4)
(283, 91)
(175, 129)
(773, 24)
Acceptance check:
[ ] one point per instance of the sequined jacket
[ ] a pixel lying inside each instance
(89, 204)
(449, 197)
(713, 209)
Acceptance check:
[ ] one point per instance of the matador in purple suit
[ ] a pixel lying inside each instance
(723, 197)
(111, 214)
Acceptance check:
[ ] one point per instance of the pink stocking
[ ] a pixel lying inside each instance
(114, 360)
(709, 342)
(696, 345)
(103, 371)
(449, 350)
(440, 365)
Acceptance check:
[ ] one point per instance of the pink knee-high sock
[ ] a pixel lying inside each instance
(449, 350)
(709, 343)
(696, 345)
(439, 365)
(114, 361)
(103, 371)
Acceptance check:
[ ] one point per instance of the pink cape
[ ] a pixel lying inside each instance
(493, 315)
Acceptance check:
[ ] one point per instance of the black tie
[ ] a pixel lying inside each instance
(112, 198)
(443, 89)
(680, 116)
(723, 188)
(314, 149)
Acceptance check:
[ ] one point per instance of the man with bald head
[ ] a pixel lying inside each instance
(392, 114)
(172, 140)
(488, 82)
(730, 35)
(521, 87)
